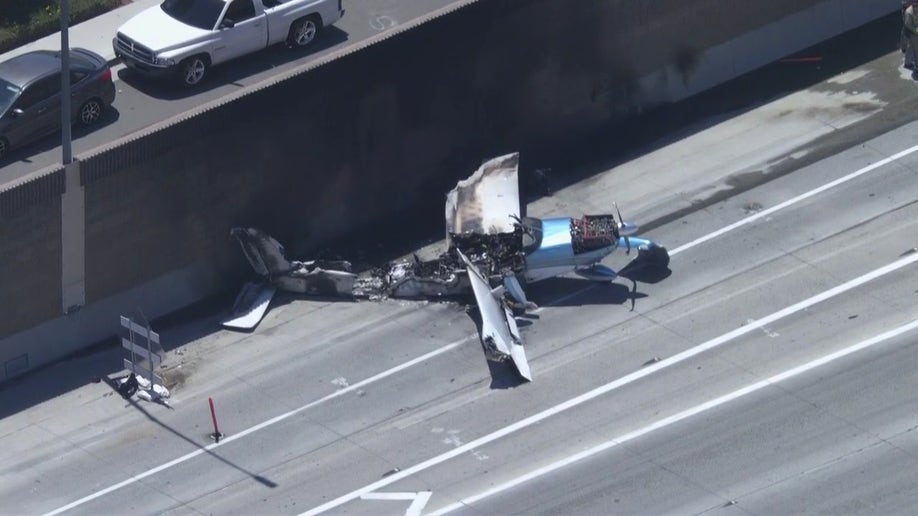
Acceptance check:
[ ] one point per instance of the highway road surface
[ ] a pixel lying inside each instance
(769, 371)
(140, 103)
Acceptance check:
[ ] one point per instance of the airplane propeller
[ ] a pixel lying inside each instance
(623, 229)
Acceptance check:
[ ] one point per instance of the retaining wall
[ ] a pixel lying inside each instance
(366, 135)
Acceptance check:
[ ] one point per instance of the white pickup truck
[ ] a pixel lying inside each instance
(184, 38)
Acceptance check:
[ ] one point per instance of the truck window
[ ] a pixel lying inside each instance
(240, 10)
(202, 14)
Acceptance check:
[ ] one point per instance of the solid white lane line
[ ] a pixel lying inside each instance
(269, 422)
(615, 384)
(749, 389)
(764, 213)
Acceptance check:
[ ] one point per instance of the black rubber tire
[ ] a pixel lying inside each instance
(90, 112)
(304, 32)
(193, 70)
(4, 147)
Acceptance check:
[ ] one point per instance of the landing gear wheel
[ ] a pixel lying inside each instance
(193, 70)
(90, 112)
(656, 257)
(303, 32)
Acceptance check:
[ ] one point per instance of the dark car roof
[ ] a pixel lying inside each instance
(25, 68)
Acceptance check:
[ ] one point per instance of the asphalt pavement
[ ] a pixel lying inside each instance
(334, 406)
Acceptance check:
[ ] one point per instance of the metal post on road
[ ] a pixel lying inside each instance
(213, 416)
(66, 156)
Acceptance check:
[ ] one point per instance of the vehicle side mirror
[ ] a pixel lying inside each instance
(18, 113)
(227, 24)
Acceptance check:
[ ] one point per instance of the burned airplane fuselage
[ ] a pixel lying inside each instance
(562, 244)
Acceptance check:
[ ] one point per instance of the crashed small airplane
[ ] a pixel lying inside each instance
(491, 248)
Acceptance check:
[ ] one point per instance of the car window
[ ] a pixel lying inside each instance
(240, 10)
(80, 61)
(77, 76)
(39, 91)
(8, 94)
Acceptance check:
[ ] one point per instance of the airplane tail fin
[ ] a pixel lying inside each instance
(250, 306)
(265, 254)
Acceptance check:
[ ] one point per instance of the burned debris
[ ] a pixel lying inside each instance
(444, 276)
(495, 254)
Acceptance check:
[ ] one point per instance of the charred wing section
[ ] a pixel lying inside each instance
(592, 232)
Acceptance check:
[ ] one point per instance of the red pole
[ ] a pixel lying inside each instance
(213, 415)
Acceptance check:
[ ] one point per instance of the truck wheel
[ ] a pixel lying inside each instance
(90, 112)
(192, 70)
(303, 32)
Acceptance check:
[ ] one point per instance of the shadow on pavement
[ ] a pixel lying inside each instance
(204, 449)
(642, 133)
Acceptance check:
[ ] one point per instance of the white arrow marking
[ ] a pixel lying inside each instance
(417, 505)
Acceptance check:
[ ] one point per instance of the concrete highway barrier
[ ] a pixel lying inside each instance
(366, 133)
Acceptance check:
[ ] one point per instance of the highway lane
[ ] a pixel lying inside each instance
(425, 410)
(141, 103)
(837, 439)
(784, 343)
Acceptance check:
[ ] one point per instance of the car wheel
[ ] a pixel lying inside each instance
(193, 70)
(303, 32)
(4, 147)
(90, 112)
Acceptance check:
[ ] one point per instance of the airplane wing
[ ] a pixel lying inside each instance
(499, 333)
(487, 201)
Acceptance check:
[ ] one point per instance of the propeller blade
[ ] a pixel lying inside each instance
(622, 227)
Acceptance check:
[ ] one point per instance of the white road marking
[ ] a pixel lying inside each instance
(382, 22)
(456, 344)
(766, 331)
(763, 214)
(340, 381)
(265, 424)
(795, 200)
(739, 393)
(418, 500)
(615, 384)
